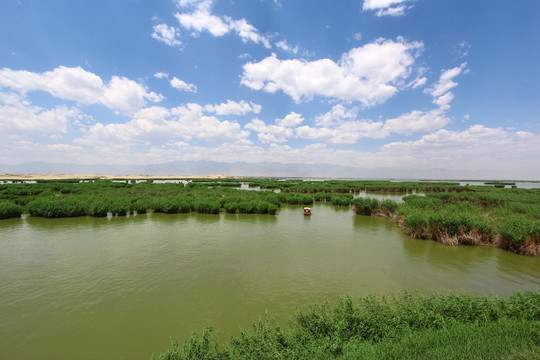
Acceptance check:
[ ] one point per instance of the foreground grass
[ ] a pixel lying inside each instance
(404, 327)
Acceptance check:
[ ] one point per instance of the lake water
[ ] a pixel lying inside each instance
(119, 288)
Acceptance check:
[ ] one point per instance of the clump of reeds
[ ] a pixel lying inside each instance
(9, 209)
(55, 207)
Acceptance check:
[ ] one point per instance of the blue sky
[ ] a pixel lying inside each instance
(370, 84)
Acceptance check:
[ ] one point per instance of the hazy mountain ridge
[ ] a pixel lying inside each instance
(262, 169)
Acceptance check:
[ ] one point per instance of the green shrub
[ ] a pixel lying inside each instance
(366, 206)
(247, 207)
(120, 207)
(206, 207)
(342, 199)
(416, 223)
(97, 207)
(56, 207)
(423, 202)
(295, 199)
(171, 205)
(389, 206)
(262, 207)
(8, 209)
(272, 209)
(231, 207)
(140, 206)
(516, 230)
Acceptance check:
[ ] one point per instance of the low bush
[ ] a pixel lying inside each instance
(516, 230)
(206, 207)
(423, 202)
(366, 206)
(9, 209)
(97, 208)
(172, 205)
(295, 199)
(342, 199)
(56, 207)
(416, 223)
(120, 207)
(388, 207)
(140, 206)
(272, 209)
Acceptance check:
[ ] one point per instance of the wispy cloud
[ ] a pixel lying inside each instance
(201, 19)
(441, 89)
(283, 45)
(387, 7)
(234, 108)
(167, 34)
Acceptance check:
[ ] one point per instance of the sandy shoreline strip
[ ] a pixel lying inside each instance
(105, 176)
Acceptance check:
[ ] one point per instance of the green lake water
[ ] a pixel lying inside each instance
(121, 287)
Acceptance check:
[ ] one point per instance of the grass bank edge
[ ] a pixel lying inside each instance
(443, 326)
(452, 220)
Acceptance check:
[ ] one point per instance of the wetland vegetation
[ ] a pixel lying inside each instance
(212, 253)
(446, 212)
(400, 327)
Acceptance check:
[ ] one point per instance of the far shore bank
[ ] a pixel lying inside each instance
(106, 176)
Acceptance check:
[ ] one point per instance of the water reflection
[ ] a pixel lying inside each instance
(398, 197)
(250, 218)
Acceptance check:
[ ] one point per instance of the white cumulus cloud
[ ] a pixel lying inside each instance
(342, 126)
(19, 119)
(182, 85)
(156, 123)
(416, 121)
(472, 149)
(370, 74)
(81, 86)
(279, 132)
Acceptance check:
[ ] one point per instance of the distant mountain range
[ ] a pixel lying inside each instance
(262, 169)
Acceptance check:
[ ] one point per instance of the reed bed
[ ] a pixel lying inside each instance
(8, 209)
(505, 217)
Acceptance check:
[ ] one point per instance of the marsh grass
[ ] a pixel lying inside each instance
(452, 214)
(446, 326)
(506, 218)
(56, 207)
(8, 209)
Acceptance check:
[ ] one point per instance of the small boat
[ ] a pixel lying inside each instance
(307, 211)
